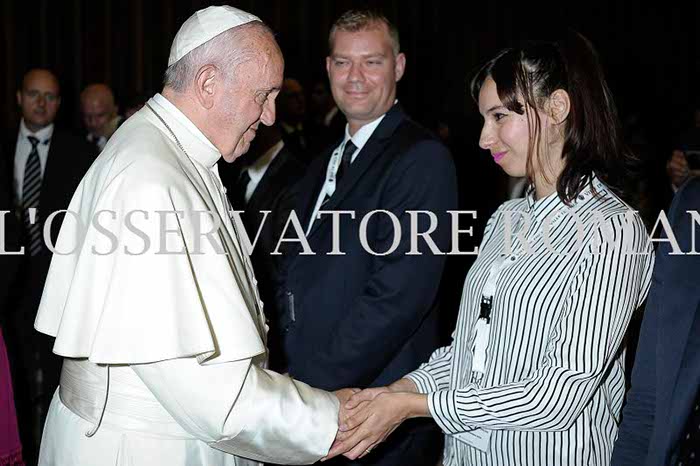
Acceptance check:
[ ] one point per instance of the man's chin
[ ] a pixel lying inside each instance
(240, 150)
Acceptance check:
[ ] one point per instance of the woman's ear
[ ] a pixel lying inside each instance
(559, 106)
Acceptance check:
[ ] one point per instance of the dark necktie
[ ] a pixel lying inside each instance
(241, 188)
(689, 444)
(345, 161)
(31, 190)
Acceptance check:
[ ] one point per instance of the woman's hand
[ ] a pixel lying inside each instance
(369, 394)
(375, 421)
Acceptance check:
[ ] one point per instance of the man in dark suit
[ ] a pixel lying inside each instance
(45, 166)
(264, 182)
(291, 117)
(361, 311)
(100, 115)
(661, 420)
(327, 122)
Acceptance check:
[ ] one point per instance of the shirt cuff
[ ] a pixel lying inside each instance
(443, 407)
(425, 383)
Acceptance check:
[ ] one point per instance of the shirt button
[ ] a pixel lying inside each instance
(512, 258)
(581, 197)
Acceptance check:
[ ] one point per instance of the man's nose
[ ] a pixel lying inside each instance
(269, 113)
(355, 74)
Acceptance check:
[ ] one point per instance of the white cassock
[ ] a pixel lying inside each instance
(164, 343)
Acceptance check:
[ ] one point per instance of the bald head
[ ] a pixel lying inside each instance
(39, 98)
(98, 109)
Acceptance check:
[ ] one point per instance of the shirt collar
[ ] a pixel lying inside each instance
(43, 135)
(257, 169)
(363, 134)
(540, 208)
(195, 143)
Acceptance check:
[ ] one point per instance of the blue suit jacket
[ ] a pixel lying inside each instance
(666, 371)
(359, 320)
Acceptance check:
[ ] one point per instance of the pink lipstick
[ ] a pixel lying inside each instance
(498, 156)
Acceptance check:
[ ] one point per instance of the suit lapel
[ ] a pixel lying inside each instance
(51, 170)
(312, 187)
(268, 180)
(376, 145)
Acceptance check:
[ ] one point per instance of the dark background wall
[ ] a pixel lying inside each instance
(650, 50)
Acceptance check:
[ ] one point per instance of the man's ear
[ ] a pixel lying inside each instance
(19, 98)
(399, 66)
(205, 85)
(559, 106)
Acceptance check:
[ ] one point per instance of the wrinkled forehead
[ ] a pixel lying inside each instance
(270, 63)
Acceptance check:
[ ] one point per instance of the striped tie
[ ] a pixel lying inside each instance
(30, 198)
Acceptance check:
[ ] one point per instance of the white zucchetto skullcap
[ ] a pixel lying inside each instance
(203, 26)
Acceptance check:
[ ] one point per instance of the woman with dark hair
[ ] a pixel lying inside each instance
(535, 372)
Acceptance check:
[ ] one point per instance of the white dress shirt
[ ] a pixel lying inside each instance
(24, 148)
(257, 169)
(359, 139)
(553, 386)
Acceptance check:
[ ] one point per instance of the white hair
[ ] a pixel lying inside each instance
(226, 51)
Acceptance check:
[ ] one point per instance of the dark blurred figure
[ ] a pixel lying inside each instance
(327, 122)
(44, 167)
(291, 116)
(685, 159)
(266, 174)
(661, 420)
(100, 114)
(133, 104)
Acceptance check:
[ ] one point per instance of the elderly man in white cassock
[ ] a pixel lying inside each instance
(150, 296)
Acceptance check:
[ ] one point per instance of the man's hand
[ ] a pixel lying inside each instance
(344, 395)
(678, 170)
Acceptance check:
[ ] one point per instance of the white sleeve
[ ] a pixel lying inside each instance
(244, 410)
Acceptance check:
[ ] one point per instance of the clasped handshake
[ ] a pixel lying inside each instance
(367, 417)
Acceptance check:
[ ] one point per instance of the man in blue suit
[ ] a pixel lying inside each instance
(661, 421)
(365, 314)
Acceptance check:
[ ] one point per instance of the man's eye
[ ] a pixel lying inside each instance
(498, 116)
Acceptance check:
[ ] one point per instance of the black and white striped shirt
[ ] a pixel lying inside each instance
(554, 384)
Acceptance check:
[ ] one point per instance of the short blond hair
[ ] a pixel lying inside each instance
(361, 20)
